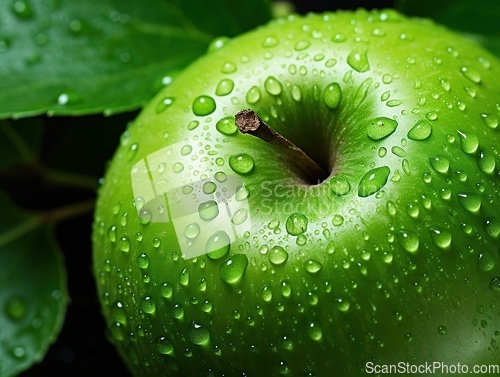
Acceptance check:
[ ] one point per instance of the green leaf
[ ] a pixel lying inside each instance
(477, 21)
(89, 56)
(32, 289)
(20, 141)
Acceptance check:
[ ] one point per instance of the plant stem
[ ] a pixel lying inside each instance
(66, 212)
(249, 122)
(64, 178)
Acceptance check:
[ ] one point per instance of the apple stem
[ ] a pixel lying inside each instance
(249, 122)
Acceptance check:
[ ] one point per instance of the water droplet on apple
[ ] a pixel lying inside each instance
(240, 216)
(209, 187)
(270, 41)
(420, 131)
(203, 105)
(312, 266)
(228, 67)
(442, 330)
(178, 311)
(241, 163)
(332, 96)
(471, 74)
(296, 93)
(208, 210)
(492, 227)
(166, 290)
(398, 151)
(337, 220)
(486, 162)
(358, 58)
(226, 126)
(177, 167)
(339, 38)
(296, 224)
(242, 193)
(272, 86)
(253, 95)
(186, 149)
(164, 104)
(340, 185)
(445, 84)
(373, 181)
(193, 125)
(142, 261)
(164, 346)
(468, 142)
(315, 332)
(198, 334)
(124, 244)
(408, 240)
(495, 284)
(490, 120)
(285, 288)
(218, 245)
(441, 238)
(117, 312)
(266, 293)
(16, 308)
(224, 87)
(440, 164)
(470, 202)
(277, 255)
(381, 127)
(184, 277)
(486, 261)
(132, 151)
(232, 269)
(217, 43)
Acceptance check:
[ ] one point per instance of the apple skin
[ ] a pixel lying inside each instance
(392, 258)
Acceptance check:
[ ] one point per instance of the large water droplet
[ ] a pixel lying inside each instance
(277, 255)
(166, 290)
(358, 58)
(441, 238)
(296, 224)
(224, 87)
(164, 346)
(253, 95)
(312, 266)
(241, 163)
(124, 244)
(495, 284)
(22, 9)
(492, 227)
(266, 293)
(148, 305)
(198, 334)
(208, 210)
(373, 181)
(470, 202)
(184, 277)
(226, 126)
(118, 313)
(192, 230)
(217, 246)
(381, 127)
(270, 41)
(272, 86)
(486, 261)
(472, 74)
(232, 269)
(332, 96)
(408, 240)
(420, 131)
(340, 185)
(440, 164)
(315, 332)
(142, 261)
(203, 105)
(468, 142)
(490, 120)
(486, 162)
(240, 216)
(296, 93)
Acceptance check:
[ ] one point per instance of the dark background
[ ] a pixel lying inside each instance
(82, 348)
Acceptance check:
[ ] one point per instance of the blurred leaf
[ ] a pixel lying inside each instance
(88, 56)
(32, 289)
(475, 20)
(19, 141)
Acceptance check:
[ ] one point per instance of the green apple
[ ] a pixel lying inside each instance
(217, 253)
